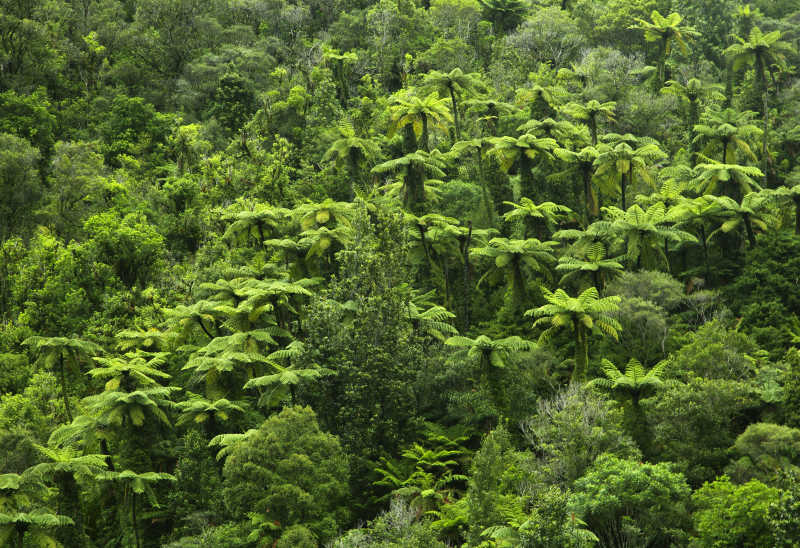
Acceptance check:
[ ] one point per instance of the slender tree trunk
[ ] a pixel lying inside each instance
(764, 158)
(587, 195)
(624, 188)
(133, 517)
(748, 225)
(596, 280)
(64, 385)
(105, 450)
(519, 294)
(581, 353)
(693, 120)
(425, 139)
(729, 77)
(456, 121)
(202, 325)
(593, 128)
(487, 203)
(467, 288)
(705, 251)
(446, 274)
(797, 215)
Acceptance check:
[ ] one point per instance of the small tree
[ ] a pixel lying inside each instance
(63, 352)
(581, 315)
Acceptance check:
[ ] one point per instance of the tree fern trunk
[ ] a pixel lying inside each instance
(133, 518)
(581, 353)
(797, 215)
(748, 225)
(64, 385)
(455, 112)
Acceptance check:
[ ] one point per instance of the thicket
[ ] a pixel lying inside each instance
(358, 273)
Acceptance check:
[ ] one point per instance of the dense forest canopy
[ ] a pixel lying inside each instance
(399, 273)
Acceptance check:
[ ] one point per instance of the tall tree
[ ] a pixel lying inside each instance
(623, 163)
(415, 166)
(765, 53)
(419, 113)
(729, 129)
(581, 315)
(505, 15)
(61, 353)
(666, 31)
(454, 83)
(590, 112)
(730, 180)
(489, 354)
(353, 151)
(135, 485)
(511, 257)
(520, 153)
(645, 233)
(747, 214)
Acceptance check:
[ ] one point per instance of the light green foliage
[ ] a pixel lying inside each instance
(733, 515)
(571, 429)
(129, 244)
(716, 352)
(398, 273)
(627, 502)
(289, 472)
(581, 315)
(766, 452)
(695, 424)
(397, 527)
(19, 183)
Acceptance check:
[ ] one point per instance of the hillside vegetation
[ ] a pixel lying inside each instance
(399, 273)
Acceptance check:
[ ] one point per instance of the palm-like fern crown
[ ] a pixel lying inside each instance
(51, 349)
(432, 163)
(714, 177)
(254, 220)
(455, 79)
(622, 157)
(505, 250)
(635, 382)
(643, 231)
(728, 126)
(326, 213)
(507, 150)
(134, 369)
(767, 49)
(562, 131)
(589, 259)
(67, 460)
(587, 309)
(491, 352)
(115, 408)
(347, 142)
(549, 212)
(590, 110)
(694, 90)
(199, 409)
(666, 29)
(409, 108)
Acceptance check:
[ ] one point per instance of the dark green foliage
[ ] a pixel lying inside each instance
(525, 261)
(625, 501)
(733, 515)
(695, 423)
(288, 472)
(19, 184)
(764, 293)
